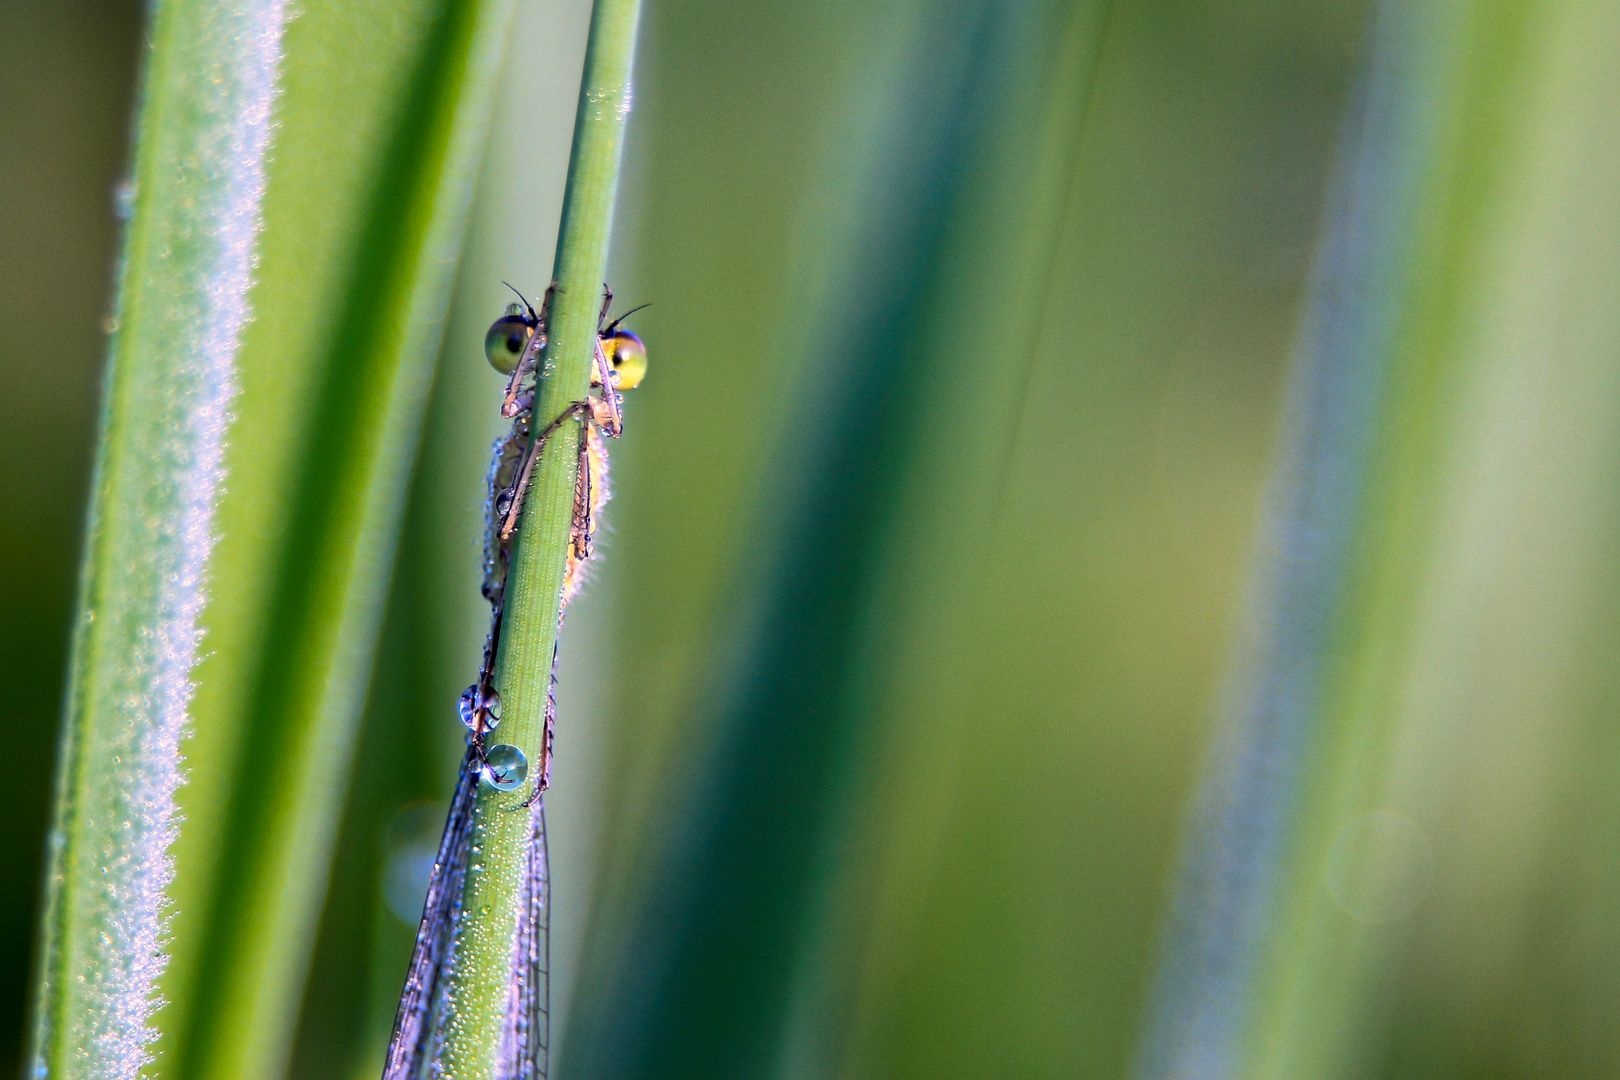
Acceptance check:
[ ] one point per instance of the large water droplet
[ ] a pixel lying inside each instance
(476, 699)
(505, 767)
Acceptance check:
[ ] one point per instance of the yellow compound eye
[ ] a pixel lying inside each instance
(505, 342)
(628, 356)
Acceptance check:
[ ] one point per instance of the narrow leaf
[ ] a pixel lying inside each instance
(199, 183)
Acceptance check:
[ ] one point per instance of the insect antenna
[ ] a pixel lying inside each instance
(525, 300)
(614, 325)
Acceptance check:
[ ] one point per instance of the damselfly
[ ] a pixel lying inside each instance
(514, 345)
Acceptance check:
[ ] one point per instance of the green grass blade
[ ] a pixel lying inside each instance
(1319, 839)
(1473, 414)
(916, 342)
(199, 183)
(377, 128)
(434, 631)
(1239, 829)
(354, 284)
(478, 987)
(1011, 798)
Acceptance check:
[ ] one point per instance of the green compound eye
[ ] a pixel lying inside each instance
(504, 344)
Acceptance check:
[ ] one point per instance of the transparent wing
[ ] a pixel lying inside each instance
(528, 1023)
(530, 1017)
(435, 936)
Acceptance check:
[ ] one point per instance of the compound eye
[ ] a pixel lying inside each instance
(628, 356)
(505, 342)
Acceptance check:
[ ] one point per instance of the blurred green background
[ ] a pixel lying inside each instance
(67, 76)
(970, 335)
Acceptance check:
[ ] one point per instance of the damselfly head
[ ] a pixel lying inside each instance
(507, 338)
(628, 356)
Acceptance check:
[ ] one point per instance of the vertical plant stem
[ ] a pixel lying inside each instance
(1240, 824)
(495, 879)
(251, 922)
(1268, 970)
(199, 184)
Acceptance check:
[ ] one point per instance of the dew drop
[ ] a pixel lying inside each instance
(505, 767)
(478, 699)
